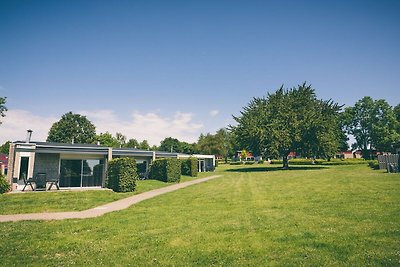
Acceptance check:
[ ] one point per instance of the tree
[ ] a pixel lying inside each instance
(72, 128)
(3, 108)
(219, 143)
(170, 144)
(121, 139)
(106, 139)
(5, 148)
(132, 143)
(373, 124)
(289, 120)
(144, 145)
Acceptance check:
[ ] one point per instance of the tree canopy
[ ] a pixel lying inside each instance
(72, 128)
(374, 125)
(289, 120)
(220, 143)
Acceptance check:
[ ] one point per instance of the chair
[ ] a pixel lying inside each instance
(27, 182)
(54, 181)
(40, 180)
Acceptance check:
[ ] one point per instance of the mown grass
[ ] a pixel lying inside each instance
(342, 215)
(30, 202)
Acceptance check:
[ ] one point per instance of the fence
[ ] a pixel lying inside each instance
(389, 162)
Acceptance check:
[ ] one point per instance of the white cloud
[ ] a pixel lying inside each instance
(17, 121)
(151, 126)
(214, 112)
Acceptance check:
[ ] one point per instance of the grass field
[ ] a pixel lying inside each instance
(54, 201)
(254, 216)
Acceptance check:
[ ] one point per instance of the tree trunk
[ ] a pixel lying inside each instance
(285, 163)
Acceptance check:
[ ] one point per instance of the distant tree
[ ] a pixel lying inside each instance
(106, 139)
(144, 145)
(72, 128)
(170, 144)
(5, 148)
(188, 148)
(373, 124)
(219, 143)
(132, 143)
(121, 139)
(3, 108)
(289, 120)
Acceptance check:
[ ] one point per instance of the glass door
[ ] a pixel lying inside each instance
(70, 173)
(81, 173)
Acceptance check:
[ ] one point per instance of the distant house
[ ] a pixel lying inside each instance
(79, 165)
(349, 154)
(3, 163)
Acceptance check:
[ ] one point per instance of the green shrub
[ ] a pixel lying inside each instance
(189, 166)
(249, 162)
(260, 162)
(4, 185)
(122, 175)
(374, 164)
(166, 170)
(235, 163)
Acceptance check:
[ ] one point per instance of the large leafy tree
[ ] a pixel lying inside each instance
(170, 144)
(132, 143)
(373, 124)
(289, 120)
(219, 143)
(106, 139)
(144, 145)
(3, 108)
(72, 128)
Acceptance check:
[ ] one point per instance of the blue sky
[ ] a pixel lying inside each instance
(152, 69)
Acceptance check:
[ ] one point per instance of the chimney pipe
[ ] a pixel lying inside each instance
(28, 136)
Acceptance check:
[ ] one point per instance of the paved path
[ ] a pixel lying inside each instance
(101, 210)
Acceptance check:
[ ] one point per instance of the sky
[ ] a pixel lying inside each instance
(154, 69)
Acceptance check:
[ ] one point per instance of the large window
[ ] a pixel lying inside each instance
(81, 173)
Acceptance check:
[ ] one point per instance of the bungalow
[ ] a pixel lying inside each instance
(78, 165)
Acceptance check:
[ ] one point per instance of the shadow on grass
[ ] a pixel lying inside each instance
(276, 168)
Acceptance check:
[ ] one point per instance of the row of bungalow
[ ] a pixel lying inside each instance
(79, 165)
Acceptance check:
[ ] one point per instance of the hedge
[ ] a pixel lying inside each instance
(235, 163)
(4, 185)
(322, 162)
(189, 166)
(122, 175)
(166, 170)
(249, 162)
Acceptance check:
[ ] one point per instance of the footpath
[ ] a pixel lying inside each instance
(101, 210)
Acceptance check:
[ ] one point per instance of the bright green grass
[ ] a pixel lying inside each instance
(344, 215)
(54, 201)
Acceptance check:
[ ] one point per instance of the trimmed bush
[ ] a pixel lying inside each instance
(166, 170)
(4, 185)
(249, 162)
(189, 166)
(122, 175)
(260, 162)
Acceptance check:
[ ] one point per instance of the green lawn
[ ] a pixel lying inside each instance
(72, 200)
(341, 215)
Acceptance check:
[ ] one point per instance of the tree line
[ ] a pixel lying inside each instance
(286, 120)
